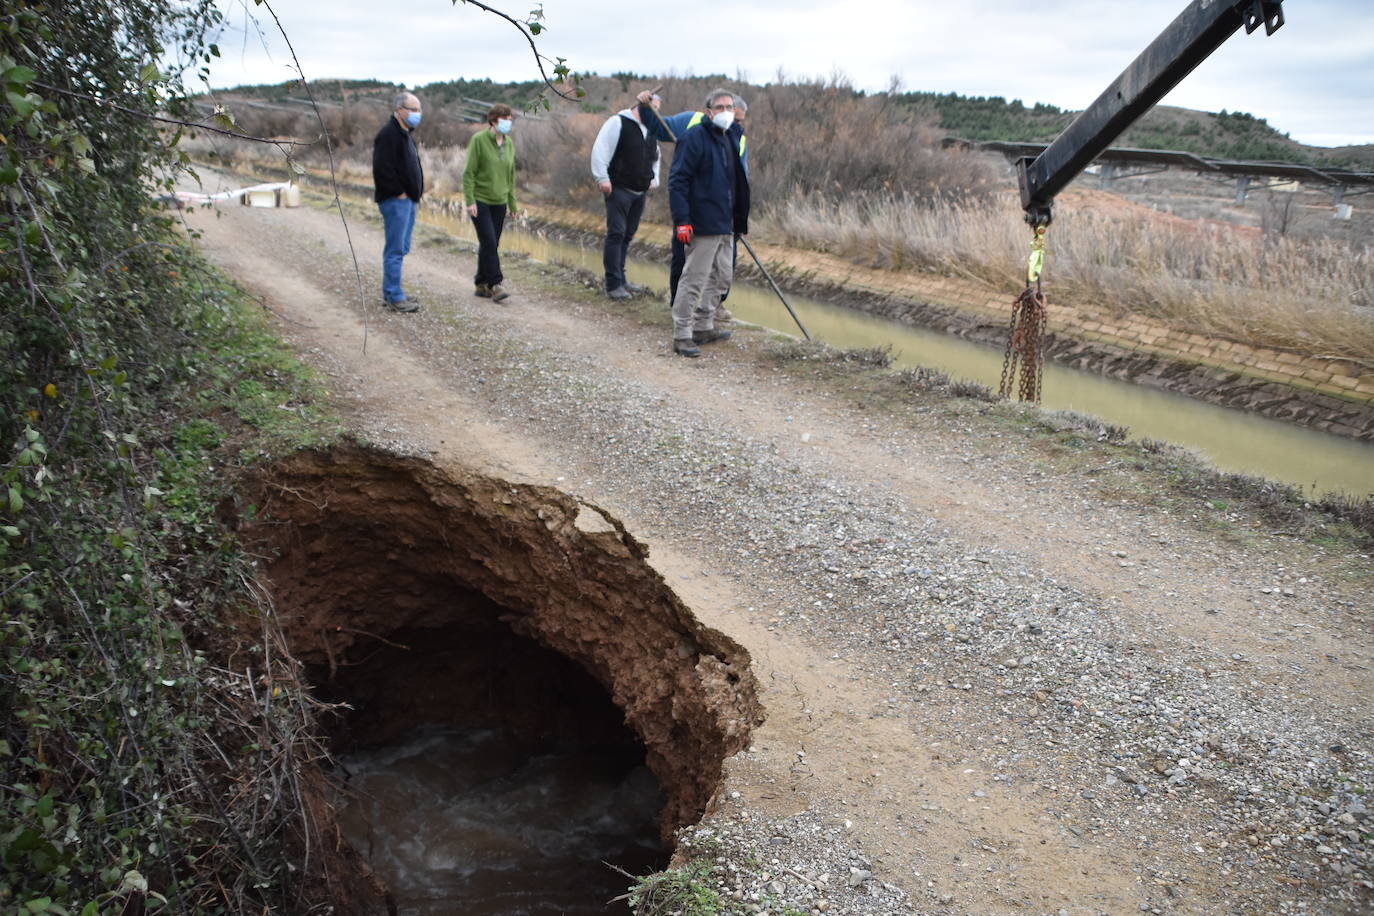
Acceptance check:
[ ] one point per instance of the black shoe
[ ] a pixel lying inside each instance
(711, 336)
(685, 348)
(401, 305)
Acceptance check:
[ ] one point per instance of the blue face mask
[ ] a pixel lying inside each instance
(413, 120)
(503, 125)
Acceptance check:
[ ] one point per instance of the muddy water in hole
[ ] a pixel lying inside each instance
(1230, 439)
(471, 822)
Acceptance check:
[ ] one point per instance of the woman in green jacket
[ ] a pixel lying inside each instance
(489, 190)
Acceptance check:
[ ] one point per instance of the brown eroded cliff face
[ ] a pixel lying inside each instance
(418, 594)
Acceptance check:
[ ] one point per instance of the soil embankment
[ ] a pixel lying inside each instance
(1329, 394)
(419, 596)
(988, 688)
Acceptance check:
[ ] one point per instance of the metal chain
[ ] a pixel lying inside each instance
(1004, 389)
(1025, 354)
(1024, 359)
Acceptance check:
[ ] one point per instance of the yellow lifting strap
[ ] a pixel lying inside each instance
(1036, 262)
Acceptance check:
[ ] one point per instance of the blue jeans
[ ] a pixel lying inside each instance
(398, 222)
(623, 210)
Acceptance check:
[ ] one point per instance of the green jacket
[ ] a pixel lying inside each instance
(489, 176)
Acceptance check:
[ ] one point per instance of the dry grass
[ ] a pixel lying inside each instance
(443, 169)
(840, 172)
(815, 351)
(1312, 296)
(555, 159)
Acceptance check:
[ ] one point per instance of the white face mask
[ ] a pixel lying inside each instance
(723, 119)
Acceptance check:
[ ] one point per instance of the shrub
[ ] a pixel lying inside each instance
(135, 766)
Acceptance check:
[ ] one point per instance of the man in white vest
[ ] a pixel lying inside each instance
(625, 161)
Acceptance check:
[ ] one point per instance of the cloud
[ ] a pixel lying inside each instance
(1313, 79)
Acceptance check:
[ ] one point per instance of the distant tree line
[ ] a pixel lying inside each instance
(1220, 135)
(1223, 135)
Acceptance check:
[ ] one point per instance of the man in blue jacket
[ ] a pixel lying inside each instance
(667, 130)
(398, 181)
(708, 193)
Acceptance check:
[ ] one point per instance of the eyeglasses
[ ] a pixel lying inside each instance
(408, 108)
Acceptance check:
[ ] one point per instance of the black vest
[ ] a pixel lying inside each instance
(632, 164)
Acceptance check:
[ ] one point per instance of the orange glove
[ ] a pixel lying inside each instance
(684, 233)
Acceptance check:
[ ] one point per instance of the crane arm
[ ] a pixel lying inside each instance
(1198, 31)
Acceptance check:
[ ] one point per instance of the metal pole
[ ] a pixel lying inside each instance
(769, 277)
(661, 123)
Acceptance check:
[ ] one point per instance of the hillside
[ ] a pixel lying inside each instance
(1220, 135)
(600, 93)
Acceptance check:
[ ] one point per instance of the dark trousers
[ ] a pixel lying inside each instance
(488, 222)
(623, 210)
(680, 259)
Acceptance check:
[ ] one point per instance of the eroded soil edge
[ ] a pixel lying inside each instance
(465, 584)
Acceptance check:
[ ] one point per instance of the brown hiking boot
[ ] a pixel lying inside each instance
(497, 293)
(710, 336)
(483, 291)
(724, 314)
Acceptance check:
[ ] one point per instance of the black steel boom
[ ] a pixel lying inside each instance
(1198, 31)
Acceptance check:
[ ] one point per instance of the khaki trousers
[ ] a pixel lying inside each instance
(705, 278)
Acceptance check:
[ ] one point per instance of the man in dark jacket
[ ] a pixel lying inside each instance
(399, 182)
(666, 130)
(708, 192)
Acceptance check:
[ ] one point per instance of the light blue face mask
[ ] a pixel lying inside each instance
(503, 125)
(413, 120)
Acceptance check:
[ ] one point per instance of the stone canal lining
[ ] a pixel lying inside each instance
(1334, 395)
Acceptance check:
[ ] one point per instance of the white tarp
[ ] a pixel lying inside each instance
(254, 193)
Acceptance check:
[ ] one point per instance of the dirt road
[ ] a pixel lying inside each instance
(989, 689)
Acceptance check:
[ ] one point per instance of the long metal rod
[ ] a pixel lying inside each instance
(661, 123)
(1198, 31)
(769, 277)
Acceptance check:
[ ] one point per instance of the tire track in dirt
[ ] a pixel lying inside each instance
(923, 803)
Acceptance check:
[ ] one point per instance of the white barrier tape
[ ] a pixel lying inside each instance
(193, 197)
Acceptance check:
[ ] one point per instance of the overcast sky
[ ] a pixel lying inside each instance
(1314, 78)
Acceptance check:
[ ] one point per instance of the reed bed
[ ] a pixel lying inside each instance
(1309, 295)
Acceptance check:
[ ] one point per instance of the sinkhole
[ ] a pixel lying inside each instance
(517, 698)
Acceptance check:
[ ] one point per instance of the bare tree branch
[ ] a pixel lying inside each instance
(193, 125)
(539, 59)
(333, 170)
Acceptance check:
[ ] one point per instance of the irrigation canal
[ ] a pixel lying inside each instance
(1231, 440)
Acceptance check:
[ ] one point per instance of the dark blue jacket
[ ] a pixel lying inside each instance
(708, 187)
(667, 129)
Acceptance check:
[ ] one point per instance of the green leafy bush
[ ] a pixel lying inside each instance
(137, 767)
